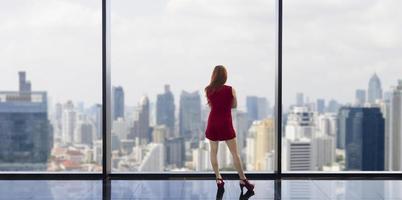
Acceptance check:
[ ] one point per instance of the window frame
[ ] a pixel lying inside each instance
(107, 175)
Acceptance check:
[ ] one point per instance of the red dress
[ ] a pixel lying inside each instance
(220, 125)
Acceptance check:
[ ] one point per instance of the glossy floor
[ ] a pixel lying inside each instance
(203, 189)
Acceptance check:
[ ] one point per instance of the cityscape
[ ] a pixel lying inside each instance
(156, 135)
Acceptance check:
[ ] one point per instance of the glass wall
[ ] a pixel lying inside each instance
(342, 85)
(50, 86)
(163, 54)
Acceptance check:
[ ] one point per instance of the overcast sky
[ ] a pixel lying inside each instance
(331, 47)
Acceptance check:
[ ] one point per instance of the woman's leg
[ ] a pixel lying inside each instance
(213, 155)
(232, 145)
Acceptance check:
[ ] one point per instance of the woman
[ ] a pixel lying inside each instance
(221, 98)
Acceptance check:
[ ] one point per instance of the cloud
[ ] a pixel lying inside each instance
(331, 47)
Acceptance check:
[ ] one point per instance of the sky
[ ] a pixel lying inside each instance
(331, 47)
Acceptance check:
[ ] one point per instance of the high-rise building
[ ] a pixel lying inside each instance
(395, 128)
(165, 109)
(190, 124)
(299, 99)
(333, 106)
(141, 128)
(121, 128)
(159, 134)
(374, 89)
(327, 124)
(69, 120)
(262, 132)
(323, 151)
(320, 105)
(298, 155)
(360, 97)
(300, 123)
(84, 132)
(200, 156)
(241, 126)
(26, 136)
(117, 102)
(257, 108)
(363, 130)
(175, 152)
(154, 160)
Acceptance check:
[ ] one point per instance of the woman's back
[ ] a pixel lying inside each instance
(220, 125)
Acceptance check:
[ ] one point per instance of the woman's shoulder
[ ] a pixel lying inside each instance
(227, 86)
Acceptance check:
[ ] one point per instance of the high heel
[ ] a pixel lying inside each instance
(246, 184)
(220, 183)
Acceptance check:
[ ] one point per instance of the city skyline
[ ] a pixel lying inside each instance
(79, 36)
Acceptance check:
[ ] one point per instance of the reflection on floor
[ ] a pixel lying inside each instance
(46, 190)
(194, 189)
(205, 189)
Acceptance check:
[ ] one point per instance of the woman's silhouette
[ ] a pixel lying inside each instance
(221, 99)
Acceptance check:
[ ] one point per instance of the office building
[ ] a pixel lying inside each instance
(165, 110)
(117, 102)
(395, 128)
(374, 89)
(141, 128)
(26, 136)
(363, 130)
(190, 125)
(360, 97)
(257, 108)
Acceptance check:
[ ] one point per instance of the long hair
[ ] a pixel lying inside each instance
(218, 78)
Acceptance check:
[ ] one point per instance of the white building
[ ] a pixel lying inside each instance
(120, 127)
(154, 159)
(300, 123)
(201, 158)
(298, 155)
(69, 120)
(323, 151)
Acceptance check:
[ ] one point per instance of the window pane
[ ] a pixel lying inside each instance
(50, 95)
(341, 89)
(163, 54)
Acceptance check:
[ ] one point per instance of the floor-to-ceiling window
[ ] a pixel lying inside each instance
(163, 54)
(50, 86)
(342, 85)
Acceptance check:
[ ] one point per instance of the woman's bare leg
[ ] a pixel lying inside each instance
(213, 156)
(232, 145)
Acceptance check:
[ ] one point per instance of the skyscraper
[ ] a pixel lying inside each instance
(374, 89)
(175, 154)
(26, 136)
(299, 99)
(190, 114)
(117, 102)
(165, 109)
(360, 97)
(141, 127)
(262, 132)
(363, 129)
(84, 132)
(320, 107)
(69, 121)
(300, 123)
(395, 128)
(257, 108)
(298, 155)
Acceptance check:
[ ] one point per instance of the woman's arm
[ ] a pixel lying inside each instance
(234, 103)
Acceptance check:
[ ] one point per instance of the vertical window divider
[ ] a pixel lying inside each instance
(278, 89)
(106, 91)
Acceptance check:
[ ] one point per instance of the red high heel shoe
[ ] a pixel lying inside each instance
(246, 184)
(220, 183)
